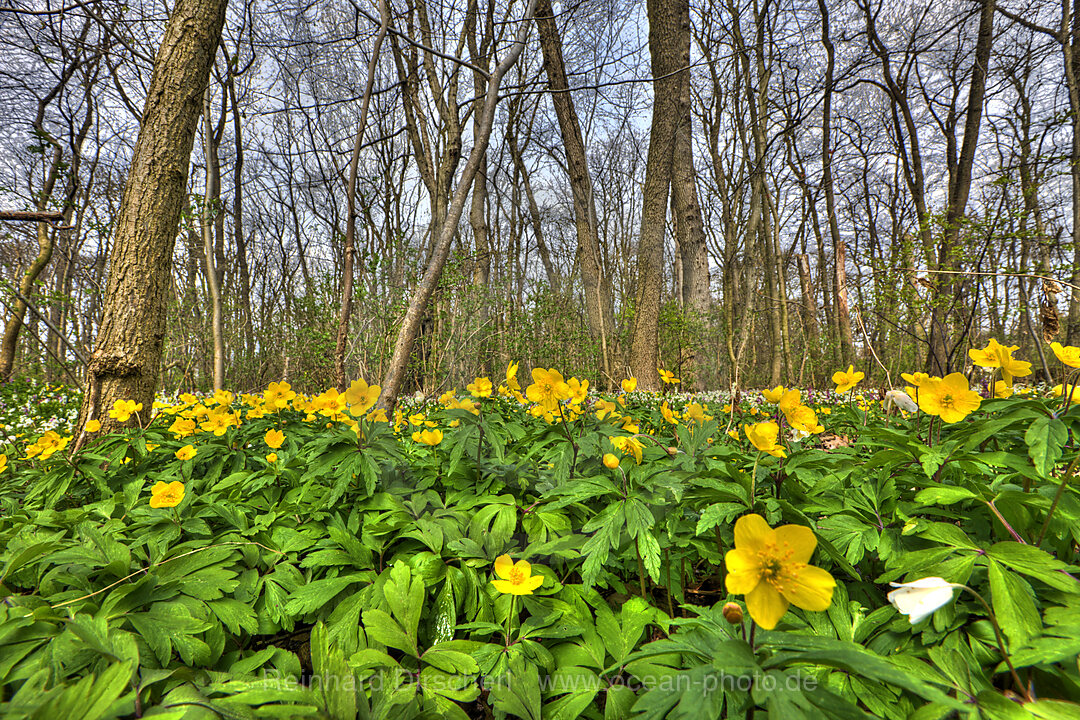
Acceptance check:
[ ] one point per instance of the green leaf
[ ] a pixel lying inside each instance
(384, 629)
(316, 595)
(1045, 438)
(1014, 605)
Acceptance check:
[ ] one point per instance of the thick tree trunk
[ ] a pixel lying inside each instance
(126, 360)
(669, 46)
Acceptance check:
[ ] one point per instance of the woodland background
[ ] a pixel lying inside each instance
(846, 179)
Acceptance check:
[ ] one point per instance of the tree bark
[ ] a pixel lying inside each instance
(126, 360)
(669, 47)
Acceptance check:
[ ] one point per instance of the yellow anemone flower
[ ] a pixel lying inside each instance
(428, 437)
(996, 355)
(361, 397)
(511, 377)
(548, 388)
(164, 495)
(629, 384)
(790, 400)
(515, 578)
(770, 567)
(480, 387)
(274, 438)
(628, 446)
(763, 436)
(610, 461)
(948, 397)
(1068, 355)
(668, 377)
(92, 426)
(774, 395)
(847, 380)
(186, 453)
(122, 410)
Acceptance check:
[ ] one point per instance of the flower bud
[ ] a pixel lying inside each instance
(732, 613)
(610, 461)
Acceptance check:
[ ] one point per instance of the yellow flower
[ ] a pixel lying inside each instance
(511, 377)
(480, 387)
(668, 377)
(124, 409)
(770, 567)
(773, 395)
(847, 380)
(516, 578)
(763, 436)
(949, 398)
(164, 495)
(1058, 391)
(610, 461)
(628, 446)
(271, 458)
(278, 395)
(548, 388)
(182, 427)
(996, 355)
(1002, 389)
(604, 408)
(92, 426)
(579, 390)
(696, 413)
(629, 384)
(3, 462)
(1068, 355)
(274, 438)
(361, 396)
(668, 415)
(790, 400)
(47, 445)
(428, 437)
(804, 419)
(186, 453)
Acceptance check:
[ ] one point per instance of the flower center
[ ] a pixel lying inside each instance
(947, 401)
(517, 577)
(777, 567)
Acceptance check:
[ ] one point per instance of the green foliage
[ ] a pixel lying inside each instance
(349, 575)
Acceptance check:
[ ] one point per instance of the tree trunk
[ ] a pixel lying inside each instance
(939, 356)
(669, 47)
(598, 304)
(126, 360)
(211, 209)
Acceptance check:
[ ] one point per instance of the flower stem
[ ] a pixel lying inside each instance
(509, 617)
(1068, 475)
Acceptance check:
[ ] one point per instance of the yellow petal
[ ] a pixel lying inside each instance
(799, 539)
(524, 567)
(503, 566)
(811, 590)
(534, 582)
(766, 605)
(504, 586)
(744, 571)
(752, 533)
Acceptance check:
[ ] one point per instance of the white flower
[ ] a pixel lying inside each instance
(900, 399)
(920, 598)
